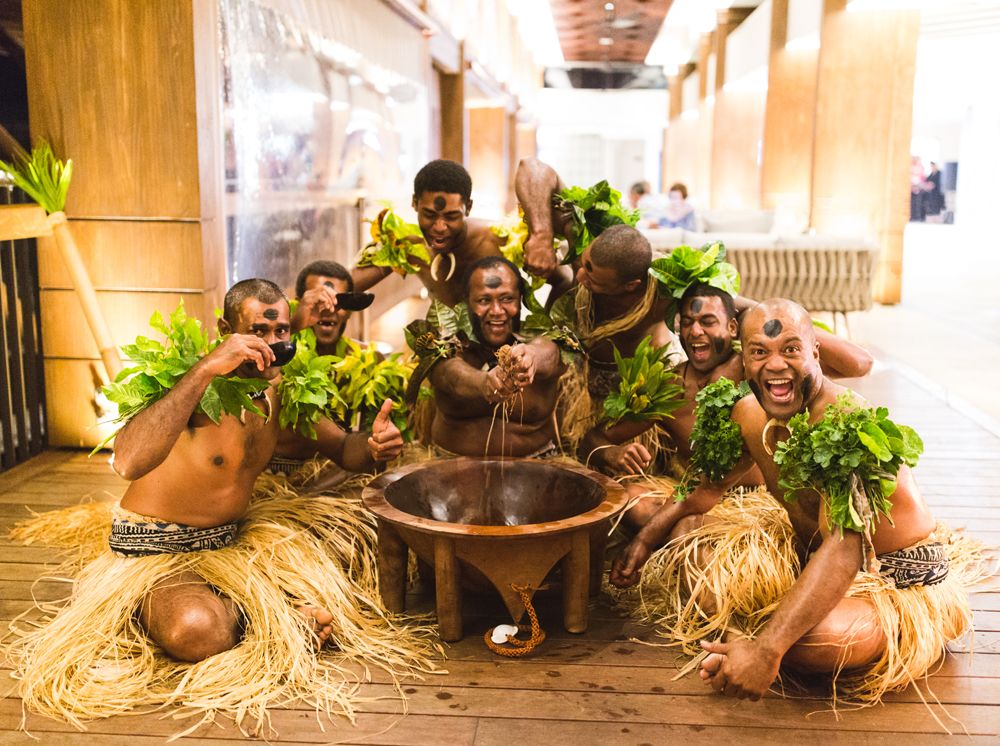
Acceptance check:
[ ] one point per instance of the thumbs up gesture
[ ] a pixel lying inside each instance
(386, 442)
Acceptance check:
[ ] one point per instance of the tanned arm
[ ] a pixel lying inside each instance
(147, 439)
(459, 380)
(841, 358)
(535, 182)
(602, 448)
(627, 569)
(367, 277)
(746, 669)
(312, 304)
(359, 451)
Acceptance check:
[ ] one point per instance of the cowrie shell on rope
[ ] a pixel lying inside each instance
(502, 631)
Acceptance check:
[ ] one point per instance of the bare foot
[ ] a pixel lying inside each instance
(321, 623)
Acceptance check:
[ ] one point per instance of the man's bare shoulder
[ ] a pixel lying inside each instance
(748, 413)
(481, 240)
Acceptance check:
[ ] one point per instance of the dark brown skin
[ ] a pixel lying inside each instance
(184, 468)
(467, 396)
(707, 337)
(447, 228)
(814, 623)
(318, 309)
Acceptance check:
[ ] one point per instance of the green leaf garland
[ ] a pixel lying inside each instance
(591, 211)
(649, 388)
(685, 266)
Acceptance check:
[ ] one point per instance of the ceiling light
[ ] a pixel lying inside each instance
(605, 41)
(609, 6)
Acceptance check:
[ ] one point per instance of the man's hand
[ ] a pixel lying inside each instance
(498, 386)
(539, 256)
(741, 669)
(312, 305)
(627, 569)
(235, 350)
(522, 371)
(386, 442)
(630, 459)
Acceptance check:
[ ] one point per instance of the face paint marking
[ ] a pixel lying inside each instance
(696, 305)
(493, 281)
(807, 387)
(271, 314)
(720, 345)
(330, 284)
(439, 203)
(218, 460)
(772, 328)
(755, 389)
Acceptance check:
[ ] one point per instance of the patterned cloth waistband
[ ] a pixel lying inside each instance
(924, 564)
(134, 535)
(282, 465)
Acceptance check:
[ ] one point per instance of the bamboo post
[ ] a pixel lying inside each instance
(85, 292)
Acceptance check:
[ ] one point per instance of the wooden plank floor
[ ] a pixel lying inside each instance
(599, 687)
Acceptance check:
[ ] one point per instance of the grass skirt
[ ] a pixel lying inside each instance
(754, 564)
(94, 660)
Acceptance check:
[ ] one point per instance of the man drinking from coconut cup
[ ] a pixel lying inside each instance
(499, 372)
(850, 583)
(203, 571)
(708, 328)
(442, 199)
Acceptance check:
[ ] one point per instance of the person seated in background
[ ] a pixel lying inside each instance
(521, 378)
(442, 199)
(878, 606)
(642, 197)
(678, 213)
(708, 329)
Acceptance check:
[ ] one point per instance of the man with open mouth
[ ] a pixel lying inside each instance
(771, 582)
(442, 199)
(497, 397)
(708, 328)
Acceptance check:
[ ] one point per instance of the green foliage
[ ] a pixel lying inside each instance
(715, 439)
(686, 266)
(649, 389)
(851, 457)
(42, 177)
(365, 382)
(160, 366)
(308, 388)
(592, 211)
(390, 247)
(515, 230)
(540, 324)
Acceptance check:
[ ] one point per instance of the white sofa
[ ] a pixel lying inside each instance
(820, 273)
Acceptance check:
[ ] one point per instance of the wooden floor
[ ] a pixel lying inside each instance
(599, 687)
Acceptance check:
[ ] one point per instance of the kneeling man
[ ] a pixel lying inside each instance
(737, 563)
(469, 386)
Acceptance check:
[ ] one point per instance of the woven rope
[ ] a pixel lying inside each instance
(521, 648)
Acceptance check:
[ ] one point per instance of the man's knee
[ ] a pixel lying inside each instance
(850, 637)
(687, 525)
(197, 630)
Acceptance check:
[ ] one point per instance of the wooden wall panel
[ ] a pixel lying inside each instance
(682, 140)
(73, 424)
(124, 254)
(864, 120)
(738, 127)
(453, 116)
(127, 315)
(111, 85)
(701, 189)
(488, 144)
(786, 171)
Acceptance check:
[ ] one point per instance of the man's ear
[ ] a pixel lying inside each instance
(224, 328)
(468, 207)
(631, 285)
(414, 202)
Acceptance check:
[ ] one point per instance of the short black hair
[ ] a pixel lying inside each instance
(443, 176)
(322, 268)
(678, 187)
(263, 290)
(625, 249)
(640, 188)
(491, 262)
(704, 290)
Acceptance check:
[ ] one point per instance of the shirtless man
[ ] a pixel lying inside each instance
(316, 291)
(708, 327)
(469, 385)
(815, 628)
(442, 198)
(185, 469)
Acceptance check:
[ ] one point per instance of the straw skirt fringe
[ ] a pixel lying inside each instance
(93, 659)
(754, 563)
